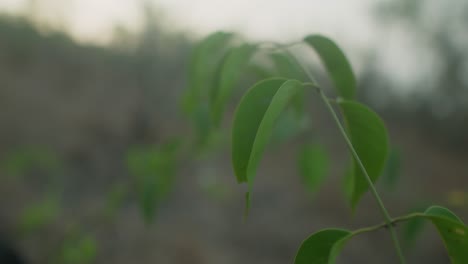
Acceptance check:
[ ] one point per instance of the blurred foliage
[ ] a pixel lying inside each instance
(37, 216)
(23, 161)
(78, 248)
(87, 104)
(313, 166)
(392, 170)
(412, 229)
(154, 170)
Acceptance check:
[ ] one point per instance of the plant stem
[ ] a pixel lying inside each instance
(388, 219)
(374, 192)
(385, 225)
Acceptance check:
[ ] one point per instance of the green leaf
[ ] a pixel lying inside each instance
(287, 67)
(24, 160)
(203, 67)
(325, 245)
(254, 120)
(289, 125)
(317, 248)
(78, 249)
(442, 212)
(392, 169)
(39, 215)
(336, 63)
(313, 166)
(154, 170)
(452, 231)
(233, 65)
(202, 124)
(369, 137)
(206, 60)
(88, 247)
(259, 71)
(412, 229)
(338, 246)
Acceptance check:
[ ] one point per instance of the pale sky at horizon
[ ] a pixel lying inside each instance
(93, 20)
(346, 21)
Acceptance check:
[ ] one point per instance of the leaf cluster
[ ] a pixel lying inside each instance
(217, 65)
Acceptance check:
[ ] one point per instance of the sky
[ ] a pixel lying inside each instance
(345, 21)
(93, 20)
(348, 22)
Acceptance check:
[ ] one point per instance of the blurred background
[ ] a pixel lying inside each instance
(96, 159)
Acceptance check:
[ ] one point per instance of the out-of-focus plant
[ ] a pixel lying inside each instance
(24, 163)
(19, 162)
(77, 248)
(154, 170)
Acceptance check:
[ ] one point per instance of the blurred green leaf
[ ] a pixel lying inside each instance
(22, 160)
(203, 124)
(313, 165)
(204, 64)
(336, 63)
(369, 137)
(254, 120)
(289, 124)
(17, 164)
(39, 215)
(206, 61)
(88, 249)
(295, 120)
(154, 169)
(392, 169)
(411, 230)
(286, 67)
(78, 249)
(316, 249)
(259, 70)
(233, 65)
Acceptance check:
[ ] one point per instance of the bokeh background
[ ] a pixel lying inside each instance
(89, 88)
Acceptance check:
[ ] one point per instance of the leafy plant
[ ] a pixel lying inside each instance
(38, 215)
(154, 170)
(78, 248)
(213, 76)
(22, 163)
